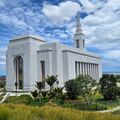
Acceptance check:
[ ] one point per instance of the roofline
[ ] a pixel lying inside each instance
(39, 38)
(82, 54)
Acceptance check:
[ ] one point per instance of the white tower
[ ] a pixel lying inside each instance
(79, 41)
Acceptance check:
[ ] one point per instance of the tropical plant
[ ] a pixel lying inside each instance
(34, 94)
(40, 85)
(51, 94)
(51, 80)
(44, 93)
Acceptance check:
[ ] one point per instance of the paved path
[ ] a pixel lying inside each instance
(111, 110)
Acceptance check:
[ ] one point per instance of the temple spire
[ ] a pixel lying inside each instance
(78, 27)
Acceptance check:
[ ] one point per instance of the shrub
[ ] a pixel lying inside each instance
(87, 87)
(109, 88)
(2, 84)
(72, 89)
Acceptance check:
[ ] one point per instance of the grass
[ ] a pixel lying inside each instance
(97, 104)
(49, 112)
(27, 100)
(98, 98)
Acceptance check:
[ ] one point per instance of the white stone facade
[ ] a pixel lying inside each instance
(40, 59)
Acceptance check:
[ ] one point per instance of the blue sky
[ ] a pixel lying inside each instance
(55, 21)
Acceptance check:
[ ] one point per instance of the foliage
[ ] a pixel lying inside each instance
(87, 87)
(40, 85)
(23, 99)
(109, 88)
(51, 80)
(83, 106)
(44, 93)
(59, 93)
(23, 112)
(34, 94)
(2, 84)
(72, 89)
(51, 94)
(27, 100)
(83, 86)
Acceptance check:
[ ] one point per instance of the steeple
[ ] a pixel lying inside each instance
(78, 27)
(79, 38)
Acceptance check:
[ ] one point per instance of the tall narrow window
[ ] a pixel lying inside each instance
(83, 43)
(77, 43)
(43, 69)
(18, 62)
(76, 68)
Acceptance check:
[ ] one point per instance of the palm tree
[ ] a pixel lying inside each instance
(40, 85)
(51, 80)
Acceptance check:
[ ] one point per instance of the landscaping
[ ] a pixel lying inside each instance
(82, 94)
(49, 112)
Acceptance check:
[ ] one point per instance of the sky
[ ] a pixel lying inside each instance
(55, 21)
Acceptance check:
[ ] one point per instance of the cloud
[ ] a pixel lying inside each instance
(56, 22)
(62, 12)
(91, 6)
(103, 27)
(111, 53)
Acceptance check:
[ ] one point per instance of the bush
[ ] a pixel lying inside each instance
(72, 89)
(109, 88)
(2, 84)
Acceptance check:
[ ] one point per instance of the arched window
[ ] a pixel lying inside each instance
(18, 63)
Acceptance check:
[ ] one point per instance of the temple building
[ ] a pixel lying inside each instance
(30, 58)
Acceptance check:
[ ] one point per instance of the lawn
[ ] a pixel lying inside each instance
(49, 112)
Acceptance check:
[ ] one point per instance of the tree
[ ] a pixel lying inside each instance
(87, 87)
(51, 80)
(72, 89)
(109, 88)
(40, 85)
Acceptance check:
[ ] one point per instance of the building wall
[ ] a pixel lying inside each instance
(27, 49)
(59, 60)
(63, 58)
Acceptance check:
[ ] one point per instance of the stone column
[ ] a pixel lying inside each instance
(83, 68)
(77, 68)
(80, 68)
(92, 75)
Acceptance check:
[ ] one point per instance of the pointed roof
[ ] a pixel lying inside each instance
(78, 27)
